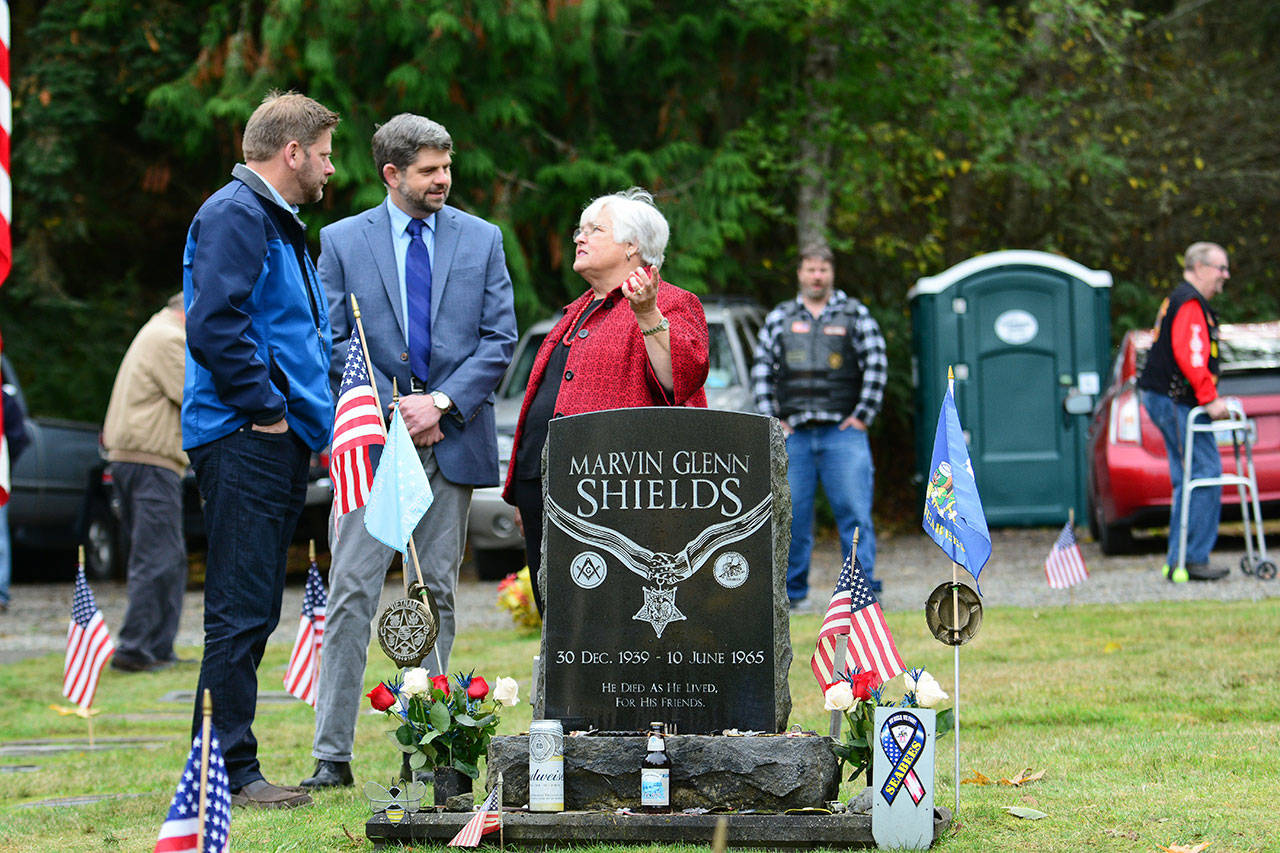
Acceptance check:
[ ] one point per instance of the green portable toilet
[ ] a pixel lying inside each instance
(1028, 335)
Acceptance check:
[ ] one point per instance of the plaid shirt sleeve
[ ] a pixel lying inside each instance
(869, 344)
(764, 370)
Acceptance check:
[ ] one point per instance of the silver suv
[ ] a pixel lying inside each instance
(733, 323)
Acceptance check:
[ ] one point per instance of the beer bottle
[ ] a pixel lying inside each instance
(655, 774)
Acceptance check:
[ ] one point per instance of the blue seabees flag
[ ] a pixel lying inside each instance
(952, 509)
(401, 493)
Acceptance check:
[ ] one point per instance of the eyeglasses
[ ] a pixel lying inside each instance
(587, 231)
(1222, 268)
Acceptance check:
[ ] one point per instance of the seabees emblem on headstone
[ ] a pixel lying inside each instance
(663, 570)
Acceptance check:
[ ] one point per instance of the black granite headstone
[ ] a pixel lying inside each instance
(665, 548)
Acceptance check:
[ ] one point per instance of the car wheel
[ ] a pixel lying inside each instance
(494, 564)
(103, 557)
(1115, 538)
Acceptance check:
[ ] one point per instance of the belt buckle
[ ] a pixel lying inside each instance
(416, 385)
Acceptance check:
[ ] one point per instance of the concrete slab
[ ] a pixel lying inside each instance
(521, 829)
(46, 746)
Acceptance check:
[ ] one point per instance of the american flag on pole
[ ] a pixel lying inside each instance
(303, 671)
(1064, 567)
(358, 434)
(89, 646)
(180, 832)
(855, 613)
(485, 821)
(6, 131)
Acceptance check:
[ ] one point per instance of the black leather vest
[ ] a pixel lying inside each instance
(819, 369)
(1161, 373)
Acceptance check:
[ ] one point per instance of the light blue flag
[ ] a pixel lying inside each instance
(952, 509)
(400, 494)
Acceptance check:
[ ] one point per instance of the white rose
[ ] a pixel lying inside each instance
(505, 692)
(416, 682)
(839, 697)
(928, 691)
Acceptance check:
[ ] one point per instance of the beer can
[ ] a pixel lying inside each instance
(546, 766)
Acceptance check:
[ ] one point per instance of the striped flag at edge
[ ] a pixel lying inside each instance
(1064, 566)
(6, 131)
(357, 431)
(854, 611)
(181, 829)
(89, 646)
(485, 821)
(303, 670)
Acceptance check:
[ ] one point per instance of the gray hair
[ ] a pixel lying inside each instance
(815, 252)
(635, 220)
(1198, 253)
(399, 140)
(281, 118)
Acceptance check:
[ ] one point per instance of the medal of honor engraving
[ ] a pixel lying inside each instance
(546, 766)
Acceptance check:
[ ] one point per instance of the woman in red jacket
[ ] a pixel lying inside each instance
(631, 339)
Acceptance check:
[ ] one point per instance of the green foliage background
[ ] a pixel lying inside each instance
(1112, 132)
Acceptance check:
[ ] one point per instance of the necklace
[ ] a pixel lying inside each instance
(587, 308)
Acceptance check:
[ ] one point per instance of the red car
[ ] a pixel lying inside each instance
(1128, 472)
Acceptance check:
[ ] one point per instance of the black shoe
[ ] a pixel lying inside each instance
(876, 586)
(124, 662)
(1205, 572)
(330, 774)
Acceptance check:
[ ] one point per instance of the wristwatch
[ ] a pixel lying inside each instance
(442, 401)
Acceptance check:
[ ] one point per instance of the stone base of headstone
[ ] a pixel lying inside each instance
(522, 829)
(765, 773)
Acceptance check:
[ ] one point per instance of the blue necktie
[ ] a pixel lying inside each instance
(417, 285)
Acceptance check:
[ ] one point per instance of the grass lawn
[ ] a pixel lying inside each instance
(1156, 725)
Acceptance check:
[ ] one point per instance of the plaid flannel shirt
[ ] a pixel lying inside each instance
(868, 342)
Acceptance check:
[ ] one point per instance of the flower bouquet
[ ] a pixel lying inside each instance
(856, 694)
(443, 725)
(515, 594)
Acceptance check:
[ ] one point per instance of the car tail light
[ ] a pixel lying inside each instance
(1126, 422)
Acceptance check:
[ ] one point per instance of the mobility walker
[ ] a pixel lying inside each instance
(1241, 431)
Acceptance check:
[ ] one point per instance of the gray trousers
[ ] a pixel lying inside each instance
(356, 574)
(151, 510)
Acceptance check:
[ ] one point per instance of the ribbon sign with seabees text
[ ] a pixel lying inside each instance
(903, 738)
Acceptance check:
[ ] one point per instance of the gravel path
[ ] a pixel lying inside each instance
(909, 564)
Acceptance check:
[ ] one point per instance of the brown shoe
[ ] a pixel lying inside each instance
(261, 794)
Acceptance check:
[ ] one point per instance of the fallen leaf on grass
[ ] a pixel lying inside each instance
(1023, 777)
(1027, 813)
(1111, 648)
(1182, 848)
(976, 779)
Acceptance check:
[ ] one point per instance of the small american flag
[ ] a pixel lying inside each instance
(89, 646)
(1064, 567)
(181, 829)
(854, 611)
(485, 821)
(358, 434)
(303, 671)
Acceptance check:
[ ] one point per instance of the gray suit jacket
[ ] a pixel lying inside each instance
(473, 324)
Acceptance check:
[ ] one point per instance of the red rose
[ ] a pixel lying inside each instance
(440, 682)
(862, 684)
(381, 698)
(477, 689)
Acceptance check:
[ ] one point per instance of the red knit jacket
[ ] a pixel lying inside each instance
(610, 367)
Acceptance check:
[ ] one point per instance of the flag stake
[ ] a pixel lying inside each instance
(955, 710)
(842, 644)
(205, 728)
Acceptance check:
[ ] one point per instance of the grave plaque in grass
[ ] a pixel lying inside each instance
(664, 562)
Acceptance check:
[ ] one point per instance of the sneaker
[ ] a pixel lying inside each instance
(1205, 572)
(801, 605)
(1178, 574)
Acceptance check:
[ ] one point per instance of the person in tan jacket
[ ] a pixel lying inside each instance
(143, 437)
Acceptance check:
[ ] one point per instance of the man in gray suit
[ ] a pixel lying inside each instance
(436, 303)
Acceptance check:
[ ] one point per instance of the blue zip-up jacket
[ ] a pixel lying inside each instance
(257, 320)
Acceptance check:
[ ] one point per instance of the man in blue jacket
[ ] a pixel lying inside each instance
(255, 405)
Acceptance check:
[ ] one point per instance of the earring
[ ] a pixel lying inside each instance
(629, 254)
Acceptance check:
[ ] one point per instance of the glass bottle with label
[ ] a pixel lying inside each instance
(655, 774)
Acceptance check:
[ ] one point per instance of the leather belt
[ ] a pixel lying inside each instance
(417, 386)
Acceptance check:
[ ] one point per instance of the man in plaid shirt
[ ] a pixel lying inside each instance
(820, 368)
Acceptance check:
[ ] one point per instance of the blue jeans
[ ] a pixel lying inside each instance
(6, 555)
(1206, 501)
(841, 459)
(254, 485)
